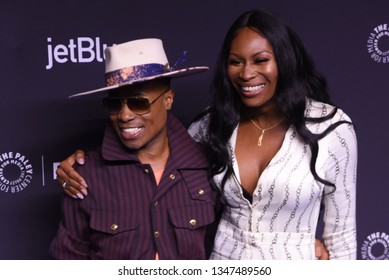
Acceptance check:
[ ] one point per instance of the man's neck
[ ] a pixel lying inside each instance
(155, 155)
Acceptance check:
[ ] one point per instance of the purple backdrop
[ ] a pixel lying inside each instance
(51, 50)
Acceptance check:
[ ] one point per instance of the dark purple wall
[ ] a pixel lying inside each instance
(40, 126)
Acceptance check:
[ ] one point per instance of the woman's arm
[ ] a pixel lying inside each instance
(340, 206)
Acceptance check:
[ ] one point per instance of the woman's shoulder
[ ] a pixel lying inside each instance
(321, 116)
(198, 129)
(317, 109)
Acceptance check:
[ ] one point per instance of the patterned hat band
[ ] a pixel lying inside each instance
(134, 73)
(139, 61)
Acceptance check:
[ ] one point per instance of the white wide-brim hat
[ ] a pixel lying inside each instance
(138, 61)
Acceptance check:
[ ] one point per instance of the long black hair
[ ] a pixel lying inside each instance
(297, 81)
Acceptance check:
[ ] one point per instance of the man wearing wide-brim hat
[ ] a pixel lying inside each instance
(149, 194)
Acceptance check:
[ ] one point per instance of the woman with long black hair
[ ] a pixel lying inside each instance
(278, 149)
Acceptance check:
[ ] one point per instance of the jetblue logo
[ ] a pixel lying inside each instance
(79, 50)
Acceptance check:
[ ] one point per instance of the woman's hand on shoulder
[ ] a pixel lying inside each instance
(73, 184)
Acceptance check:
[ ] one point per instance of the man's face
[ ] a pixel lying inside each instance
(141, 127)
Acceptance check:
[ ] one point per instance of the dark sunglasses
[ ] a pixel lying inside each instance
(139, 105)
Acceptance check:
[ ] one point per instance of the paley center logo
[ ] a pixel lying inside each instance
(376, 247)
(15, 172)
(79, 50)
(378, 43)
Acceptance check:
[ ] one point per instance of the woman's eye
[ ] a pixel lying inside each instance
(233, 62)
(261, 60)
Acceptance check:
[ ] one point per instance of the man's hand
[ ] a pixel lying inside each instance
(321, 250)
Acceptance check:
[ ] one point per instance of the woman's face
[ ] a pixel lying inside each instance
(252, 68)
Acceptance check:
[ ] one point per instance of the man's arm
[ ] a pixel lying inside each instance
(72, 239)
(321, 250)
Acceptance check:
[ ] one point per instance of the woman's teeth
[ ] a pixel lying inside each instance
(253, 88)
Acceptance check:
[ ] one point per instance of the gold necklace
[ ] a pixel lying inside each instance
(260, 138)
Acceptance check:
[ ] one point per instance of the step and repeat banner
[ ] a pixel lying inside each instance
(52, 49)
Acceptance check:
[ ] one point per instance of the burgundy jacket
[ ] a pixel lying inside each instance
(126, 216)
